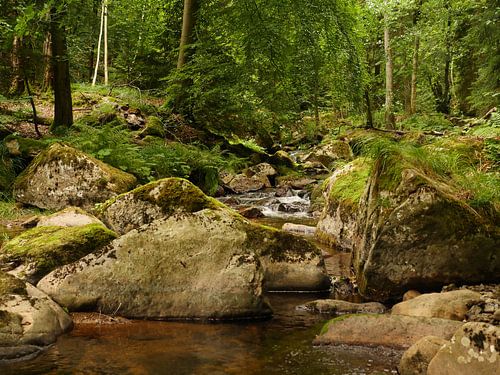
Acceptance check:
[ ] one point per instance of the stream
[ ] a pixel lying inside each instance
(281, 345)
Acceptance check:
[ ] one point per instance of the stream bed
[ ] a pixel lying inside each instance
(281, 345)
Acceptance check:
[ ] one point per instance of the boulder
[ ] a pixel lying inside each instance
(414, 233)
(305, 230)
(262, 169)
(62, 176)
(196, 266)
(36, 252)
(417, 358)
(251, 212)
(342, 192)
(156, 200)
(290, 262)
(69, 217)
(29, 320)
(393, 331)
(339, 307)
(452, 305)
(474, 349)
(411, 294)
(154, 127)
(243, 184)
(26, 148)
(330, 152)
(282, 158)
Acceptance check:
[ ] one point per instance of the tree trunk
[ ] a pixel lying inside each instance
(106, 75)
(63, 106)
(188, 23)
(369, 113)
(416, 47)
(444, 100)
(48, 74)
(389, 93)
(17, 83)
(99, 46)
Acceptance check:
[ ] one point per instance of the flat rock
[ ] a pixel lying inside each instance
(69, 217)
(474, 349)
(393, 331)
(305, 230)
(448, 305)
(338, 307)
(62, 176)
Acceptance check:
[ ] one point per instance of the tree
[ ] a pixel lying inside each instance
(63, 106)
(188, 24)
(414, 71)
(17, 82)
(389, 89)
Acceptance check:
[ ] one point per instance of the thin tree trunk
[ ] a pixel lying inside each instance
(369, 113)
(99, 46)
(63, 106)
(414, 71)
(106, 74)
(389, 93)
(48, 74)
(17, 83)
(188, 23)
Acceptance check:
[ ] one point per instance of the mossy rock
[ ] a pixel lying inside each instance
(62, 176)
(158, 199)
(11, 285)
(40, 250)
(26, 148)
(154, 127)
(282, 158)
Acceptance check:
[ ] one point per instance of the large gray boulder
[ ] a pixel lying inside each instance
(373, 330)
(418, 235)
(417, 358)
(290, 263)
(185, 267)
(474, 349)
(29, 319)
(62, 176)
(448, 305)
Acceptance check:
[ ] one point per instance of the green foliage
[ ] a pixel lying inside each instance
(350, 186)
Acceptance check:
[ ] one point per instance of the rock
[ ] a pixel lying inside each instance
(154, 127)
(156, 200)
(262, 169)
(474, 349)
(337, 225)
(304, 230)
(299, 183)
(36, 252)
(29, 320)
(282, 158)
(69, 217)
(338, 307)
(449, 305)
(243, 184)
(290, 262)
(30, 222)
(62, 176)
(133, 117)
(393, 331)
(251, 212)
(195, 266)
(410, 295)
(421, 237)
(97, 319)
(330, 152)
(284, 191)
(417, 358)
(26, 148)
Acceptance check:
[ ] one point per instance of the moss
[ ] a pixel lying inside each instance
(11, 285)
(350, 186)
(50, 247)
(24, 147)
(118, 180)
(281, 158)
(154, 127)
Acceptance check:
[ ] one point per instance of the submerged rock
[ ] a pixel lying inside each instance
(62, 176)
(251, 212)
(193, 266)
(448, 305)
(394, 331)
(36, 252)
(417, 358)
(29, 320)
(339, 307)
(474, 349)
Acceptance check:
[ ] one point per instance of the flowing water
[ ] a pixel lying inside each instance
(281, 345)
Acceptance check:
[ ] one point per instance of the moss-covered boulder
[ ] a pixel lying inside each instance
(156, 200)
(342, 192)
(282, 159)
(62, 176)
(26, 148)
(374, 330)
(415, 232)
(36, 252)
(330, 152)
(69, 217)
(154, 127)
(29, 319)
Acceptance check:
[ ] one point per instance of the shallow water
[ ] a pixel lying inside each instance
(282, 345)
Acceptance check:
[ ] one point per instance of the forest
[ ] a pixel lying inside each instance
(321, 176)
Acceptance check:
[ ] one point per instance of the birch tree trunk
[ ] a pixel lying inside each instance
(414, 71)
(106, 74)
(99, 46)
(188, 22)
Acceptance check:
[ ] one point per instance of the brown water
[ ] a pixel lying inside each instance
(282, 345)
